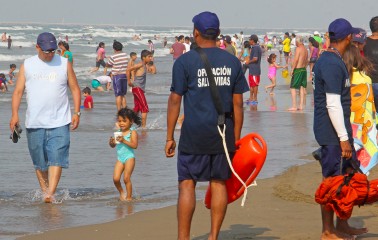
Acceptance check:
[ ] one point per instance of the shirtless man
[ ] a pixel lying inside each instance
(139, 84)
(299, 75)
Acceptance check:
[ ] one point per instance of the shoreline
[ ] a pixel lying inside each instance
(281, 207)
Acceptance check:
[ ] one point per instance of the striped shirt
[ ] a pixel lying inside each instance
(118, 62)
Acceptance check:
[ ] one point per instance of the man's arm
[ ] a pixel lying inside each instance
(16, 98)
(238, 114)
(76, 95)
(131, 69)
(336, 114)
(173, 111)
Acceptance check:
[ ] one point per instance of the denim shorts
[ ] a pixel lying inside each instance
(331, 162)
(203, 167)
(49, 146)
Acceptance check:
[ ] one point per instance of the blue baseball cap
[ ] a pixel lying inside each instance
(47, 41)
(207, 23)
(340, 29)
(359, 37)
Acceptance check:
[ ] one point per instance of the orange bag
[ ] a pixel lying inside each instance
(341, 193)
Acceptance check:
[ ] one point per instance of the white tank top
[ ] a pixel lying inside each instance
(46, 93)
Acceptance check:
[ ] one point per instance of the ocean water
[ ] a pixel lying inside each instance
(86, 194)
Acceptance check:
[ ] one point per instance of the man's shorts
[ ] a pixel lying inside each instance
(49, 147)
(254, 80)
(101, 62)
(331, 161)
(203, 167)
(95, 83)
(299, 78)
(286, 54)
(119, 85)
(140, 102)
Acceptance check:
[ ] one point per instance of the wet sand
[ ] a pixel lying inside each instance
(282, 207)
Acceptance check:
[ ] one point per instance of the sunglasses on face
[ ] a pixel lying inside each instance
(49, 51)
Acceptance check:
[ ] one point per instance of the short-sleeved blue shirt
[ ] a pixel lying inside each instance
(255, 67)
(331, 76)
(199, 132)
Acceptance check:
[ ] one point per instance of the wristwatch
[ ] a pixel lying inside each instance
(77, 113)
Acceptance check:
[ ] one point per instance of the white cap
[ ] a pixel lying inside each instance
(316, 33)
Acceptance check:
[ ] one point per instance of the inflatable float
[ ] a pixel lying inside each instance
(247, 163)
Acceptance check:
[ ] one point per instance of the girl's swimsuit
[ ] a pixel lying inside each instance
(125, 152)
(272, 72)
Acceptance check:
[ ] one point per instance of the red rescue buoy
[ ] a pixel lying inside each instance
(248, 161)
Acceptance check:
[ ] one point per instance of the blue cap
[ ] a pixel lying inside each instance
(47, 41)
(207, 23)
(359, 37)
(340, 29)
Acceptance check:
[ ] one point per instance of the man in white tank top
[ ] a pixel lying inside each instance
(45, 77)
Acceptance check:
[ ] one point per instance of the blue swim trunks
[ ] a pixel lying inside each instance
(119, 85)
(331, 161)
(203, 167)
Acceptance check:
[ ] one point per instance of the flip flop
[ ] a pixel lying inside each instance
(16, 134)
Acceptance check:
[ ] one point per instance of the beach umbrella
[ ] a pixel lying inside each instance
(342, 193)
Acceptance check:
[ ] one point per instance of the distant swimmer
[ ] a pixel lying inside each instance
(165, 42)
(9, 42)
(4, 37)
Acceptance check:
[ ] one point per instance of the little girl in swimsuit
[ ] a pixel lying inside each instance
(125, 143)
(272, 72)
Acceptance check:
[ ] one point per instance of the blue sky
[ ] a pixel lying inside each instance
(241, 13)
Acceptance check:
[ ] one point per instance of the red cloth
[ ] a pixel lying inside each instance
(356, 192)
(88, 99)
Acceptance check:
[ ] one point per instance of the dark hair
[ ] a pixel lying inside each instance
(2, 75)
(129, 114)
(117, 46)
(187, 38)
(87, 90)
(353, 59)
(149, 41)
(293, 35)
(374, 24)
(66, 46)
(246, 44)
(313, 42)
(12, 65)
(270, 58)
(145, 53)
(193, 45)
(180, 37)
(101, 44)
(60, 43)
(133, 54)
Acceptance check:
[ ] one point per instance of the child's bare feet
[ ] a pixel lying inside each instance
(122, 197)
(48, 198)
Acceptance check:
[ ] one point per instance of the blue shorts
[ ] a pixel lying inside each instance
(203, 167)
(331, 161)
(120, 85)
(49, 147)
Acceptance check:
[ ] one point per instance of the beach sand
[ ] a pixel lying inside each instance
(282, 207)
